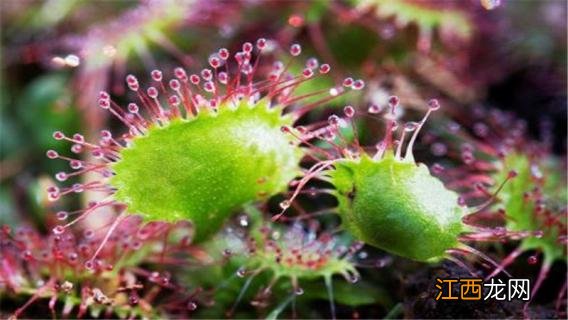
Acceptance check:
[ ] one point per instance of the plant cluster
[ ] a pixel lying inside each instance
(249, 187)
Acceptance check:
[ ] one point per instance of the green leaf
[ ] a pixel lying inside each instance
(205, 168)
(349, 294)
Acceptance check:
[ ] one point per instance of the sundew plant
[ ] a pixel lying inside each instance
(176, 159)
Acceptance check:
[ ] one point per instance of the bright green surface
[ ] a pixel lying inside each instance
(201, 170)
(398, 206)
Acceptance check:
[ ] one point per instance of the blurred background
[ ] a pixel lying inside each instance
(58, 54)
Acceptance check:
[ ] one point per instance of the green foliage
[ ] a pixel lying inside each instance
(205, 168)
(397, 206)
(425, 15)
(521, 213)
(349, 294)
(41, 109)
(253, 250)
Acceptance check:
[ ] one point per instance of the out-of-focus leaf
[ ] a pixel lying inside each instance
(316, 11)
(10, 137)
(6, 208)
(352, 45)
(52, 12)
(424, 15)
(45, 106)
(357, 294)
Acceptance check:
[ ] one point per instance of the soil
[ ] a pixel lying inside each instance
(420, 293)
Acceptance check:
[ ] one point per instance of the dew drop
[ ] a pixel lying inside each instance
(374, 109)
(532, 260)
(75, 164)
(76, 148)
(307, 73)
(333, 120)
(312, 63)
(62, 215)
(481, 129)
(132, 82)
(58, 230)
(180, 74)
(438, 149)
(437, 168)
(433, 104)
(52, 154)
(223, 53)
(156, 75)
(285, 204)
(191, 306)
(214, 62)
(490, 4)
(394, 101)
(89, 234)
(72, 256)
(58, 135)
(152, 92)
(298, 291)
(27, 255)
(194, 79)
(206, 74)
(174, 101)
(104, 95)
(349, 111)
(295, 50)
(136, 245)
(243, 221)
(324, 68)
(79, 138)
(209, 86)
(410, 126)
(241, 272)
(261, 43)
(223, 77)
(353, 278)
(296, 20)
(358, 85)
(133, 108)
(89, 265)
